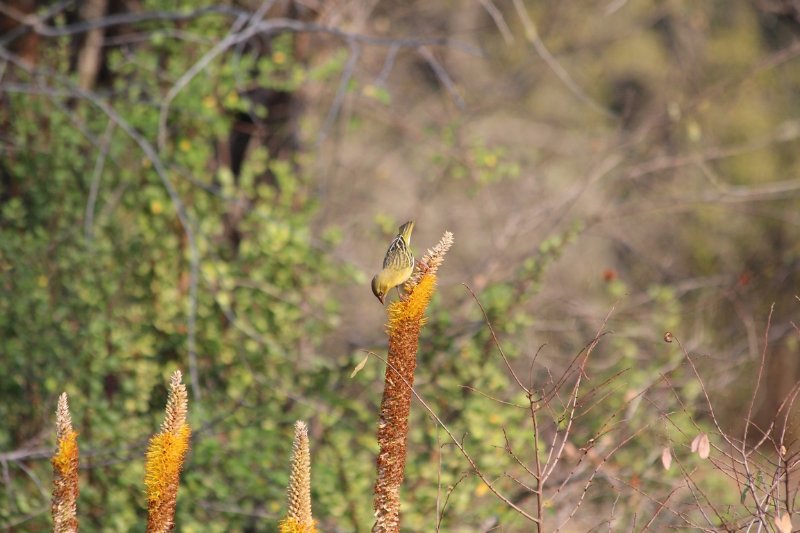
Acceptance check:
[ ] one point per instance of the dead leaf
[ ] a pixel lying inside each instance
(666, 458)
(695, 442)
(784, 523)
(703, 446)
(359, 367)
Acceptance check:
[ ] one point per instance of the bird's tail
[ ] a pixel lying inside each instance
(405, 231)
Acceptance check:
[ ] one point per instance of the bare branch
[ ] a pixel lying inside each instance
(442, 74)
(99, 165)
(347, 74)
(532, 35)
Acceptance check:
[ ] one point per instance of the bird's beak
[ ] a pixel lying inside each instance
(382, 297)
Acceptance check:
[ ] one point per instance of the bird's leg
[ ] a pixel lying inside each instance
(422, 266)
(400, 294)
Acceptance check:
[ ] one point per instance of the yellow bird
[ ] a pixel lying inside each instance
(397, 265)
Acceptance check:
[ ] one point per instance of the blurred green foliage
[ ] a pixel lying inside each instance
(101, 310)
(102, 313)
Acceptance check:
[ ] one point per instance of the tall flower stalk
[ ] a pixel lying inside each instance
(165, 456)
(65, 472)
(406, 318)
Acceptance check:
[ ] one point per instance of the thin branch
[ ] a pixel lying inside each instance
(498, 400)
(758, 378)
(450, 490)
(532, 35)
(244, 28)
(26, 20)
(388, 65)
(230, 40)
(99, 165)
(499, 20)
(705, 393)
(494, 337)
(38, 26)
(9, 487)
(341, 91)
(442, 74)
(597, 468)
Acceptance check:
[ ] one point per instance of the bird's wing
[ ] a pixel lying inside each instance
(396, 255)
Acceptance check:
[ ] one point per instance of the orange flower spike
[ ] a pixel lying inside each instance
(65, 472)
(406, 319)
(165, 456)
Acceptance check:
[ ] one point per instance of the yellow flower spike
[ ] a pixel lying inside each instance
(65, 472)
(414, 307)
(292, 525)
(298, 518)
(165, 456)
(67, 451)
(406, 319)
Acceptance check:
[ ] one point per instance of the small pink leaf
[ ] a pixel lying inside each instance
(696, 442)
(666, 458)
(703, 446)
